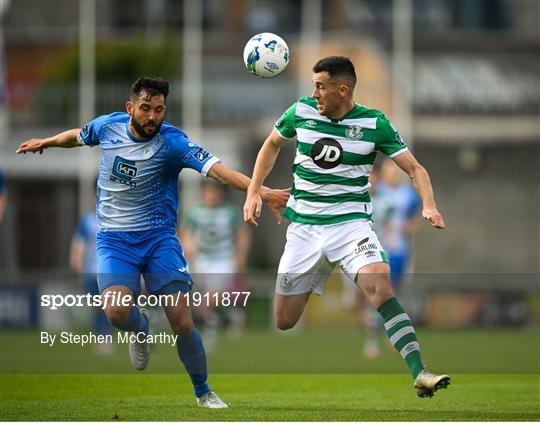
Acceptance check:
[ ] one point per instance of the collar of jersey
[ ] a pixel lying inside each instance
(132, 138)
(345, 115)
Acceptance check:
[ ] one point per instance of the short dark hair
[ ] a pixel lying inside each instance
(337, 66)
(152, 86)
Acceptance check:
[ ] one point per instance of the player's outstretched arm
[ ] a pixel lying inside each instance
(66, 139)
(275, 198)
(263, 165)
(420, 179)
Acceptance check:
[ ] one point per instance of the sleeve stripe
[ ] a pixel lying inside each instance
(283, 136)
(81, 141)
(211, 162)
(397, 153)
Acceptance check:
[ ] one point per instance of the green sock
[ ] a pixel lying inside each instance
(400, 330)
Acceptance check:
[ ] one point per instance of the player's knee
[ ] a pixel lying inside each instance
(117, 316)
(182, 328)
(284, 322)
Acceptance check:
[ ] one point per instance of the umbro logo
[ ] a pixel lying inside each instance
(311, 123)
(410, 347)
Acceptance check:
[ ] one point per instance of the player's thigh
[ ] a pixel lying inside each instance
(303, 268)
(117, 266)
(166, 264)
(354, 245)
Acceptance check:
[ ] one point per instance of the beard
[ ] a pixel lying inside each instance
(145, 131)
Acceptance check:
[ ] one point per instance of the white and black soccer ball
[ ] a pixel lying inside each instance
(266, 55)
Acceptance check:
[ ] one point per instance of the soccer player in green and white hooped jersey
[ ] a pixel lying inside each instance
(330, 208)
(217, 242)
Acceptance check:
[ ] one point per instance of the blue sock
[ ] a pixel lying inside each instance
(136, 322)
(101, 324)
(192, 354)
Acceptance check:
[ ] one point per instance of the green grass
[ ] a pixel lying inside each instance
(316, 351)
(495, 376)
(266, 398)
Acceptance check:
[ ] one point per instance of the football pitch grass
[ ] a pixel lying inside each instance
(255, 377)
(267, 398)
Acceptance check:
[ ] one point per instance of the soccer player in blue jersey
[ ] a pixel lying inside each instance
(136, 208)
(404, 220)
(82, 259)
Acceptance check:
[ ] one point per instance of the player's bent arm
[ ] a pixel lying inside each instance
(66, 139)
(420, 179)
(263, 165)
(265, 160)
(228, 176)
(275, 198)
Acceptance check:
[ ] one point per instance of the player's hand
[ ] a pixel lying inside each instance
(434, 217)
(252, 208)
(31, 146)
(277, 200)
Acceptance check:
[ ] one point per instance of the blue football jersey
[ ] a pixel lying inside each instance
(137, 185)
(86, 233)
(406, 205)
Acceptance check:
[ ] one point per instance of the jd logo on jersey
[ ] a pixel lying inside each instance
(327, 153)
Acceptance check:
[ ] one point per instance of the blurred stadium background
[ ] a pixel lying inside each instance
(459, 78)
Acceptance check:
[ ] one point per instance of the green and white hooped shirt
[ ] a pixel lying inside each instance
(333, 161)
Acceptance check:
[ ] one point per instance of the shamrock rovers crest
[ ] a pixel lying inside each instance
(354, 132)
(286, 283)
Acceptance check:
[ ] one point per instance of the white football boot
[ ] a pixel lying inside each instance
(427, 383)
(211, 400)
(139, 352)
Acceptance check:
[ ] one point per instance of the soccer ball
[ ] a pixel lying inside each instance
(266, 55)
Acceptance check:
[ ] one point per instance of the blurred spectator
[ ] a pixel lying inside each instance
(404, 220)
(3, 196)
(368, 316)
(216, 243)
(396, 209)
(83, 260)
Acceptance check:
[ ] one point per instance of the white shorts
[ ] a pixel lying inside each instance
(312, 251)
(213, 275)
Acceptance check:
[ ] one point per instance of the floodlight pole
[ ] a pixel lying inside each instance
(3, 84)
(402, 68)
(88, 159)
(192, 88)
(310, 43)
(402, 76)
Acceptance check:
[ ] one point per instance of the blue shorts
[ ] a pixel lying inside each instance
(122, 257)
(398, 267)
(90, 284)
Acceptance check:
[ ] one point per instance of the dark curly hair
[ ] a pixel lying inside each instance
(152, 86)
